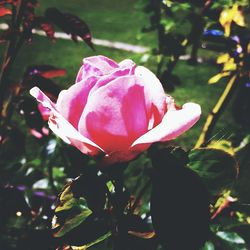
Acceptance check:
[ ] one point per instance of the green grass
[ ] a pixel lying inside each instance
(114, 20)
(63, 53)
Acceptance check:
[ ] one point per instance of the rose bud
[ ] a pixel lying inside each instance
(117, 110)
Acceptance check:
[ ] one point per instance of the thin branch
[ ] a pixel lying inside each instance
(216, 112)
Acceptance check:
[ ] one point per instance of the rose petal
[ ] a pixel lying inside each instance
(174, 123)
(129, 64)
(127, 67)
(61, 127)
(45, 112)
(95, 66)
(155, 95)
(72, 101)
(115, 115)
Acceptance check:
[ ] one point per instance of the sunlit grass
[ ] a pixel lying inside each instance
(113, 20)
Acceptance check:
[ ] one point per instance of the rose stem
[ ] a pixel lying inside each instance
(120, 232)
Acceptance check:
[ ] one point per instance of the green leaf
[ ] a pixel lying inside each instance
(102, 238)
(231, 237)
(224, 145)
(110, 186)
(217, 77)
(208, 246)
(41, 184)
(66, 199)
(168, 23)
(70, 212)
(245, 142)
(217, 168)
(93, 229)
(142, 235)
(58, 172)
(72, 222)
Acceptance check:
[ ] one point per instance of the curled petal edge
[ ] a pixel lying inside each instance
(174, 123)
(62, 128)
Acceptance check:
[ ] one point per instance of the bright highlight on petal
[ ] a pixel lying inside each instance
(174, 123)
(62, 128)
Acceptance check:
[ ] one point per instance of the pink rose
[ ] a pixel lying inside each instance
(116, 109)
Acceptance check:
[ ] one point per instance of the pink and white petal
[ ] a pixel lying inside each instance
(45, 112)
(95, 66)
(129, 64)
(171, 106)
(155, 95)
(174, 123)
(42, 98)
(71, 102)
(70, 135)
(127, 68)
(61, 127)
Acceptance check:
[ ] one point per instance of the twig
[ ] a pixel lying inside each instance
(216, 112)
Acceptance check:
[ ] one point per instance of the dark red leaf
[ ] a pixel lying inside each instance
(27, 107)
(53, 73)
(29, 19)
(79, 28)
(70, 24)
(47, 71)
(4, 11)
(57, 17)
(45, 84)
(46, 26)
(32, 3)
